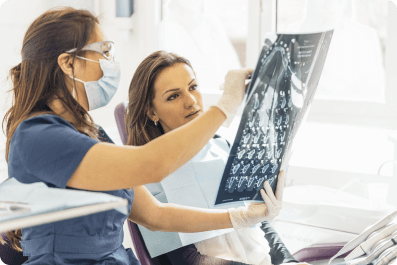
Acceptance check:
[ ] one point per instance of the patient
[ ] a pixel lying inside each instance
(163, 96)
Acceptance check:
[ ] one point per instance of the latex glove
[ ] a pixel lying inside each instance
(243, 217)
(233, 94)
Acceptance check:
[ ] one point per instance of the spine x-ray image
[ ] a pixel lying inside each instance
(281, 90)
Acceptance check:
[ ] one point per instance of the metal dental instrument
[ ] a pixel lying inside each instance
(379, 250)
(360, 238)
(388, 257)
(365, 247)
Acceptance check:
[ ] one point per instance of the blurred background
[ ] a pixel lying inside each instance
(349, 130)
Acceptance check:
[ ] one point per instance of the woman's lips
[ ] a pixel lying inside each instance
(192, 114)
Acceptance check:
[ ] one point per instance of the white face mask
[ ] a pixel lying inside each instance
(99, 93)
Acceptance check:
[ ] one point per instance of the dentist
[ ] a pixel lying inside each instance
(67, 69)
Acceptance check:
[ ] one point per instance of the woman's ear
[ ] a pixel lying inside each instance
(65, 63)
(152, 115)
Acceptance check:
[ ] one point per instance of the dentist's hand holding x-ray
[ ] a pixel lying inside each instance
(233, 95)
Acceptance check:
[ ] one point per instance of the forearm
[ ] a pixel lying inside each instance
(177, 218)
(177, 147)
(132, 166)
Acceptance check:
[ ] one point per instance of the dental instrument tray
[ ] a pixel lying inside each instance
(277, 101)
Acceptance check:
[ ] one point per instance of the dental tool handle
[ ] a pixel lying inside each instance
(367, 245)
(389, 257)
(379, 251)
(361, 237)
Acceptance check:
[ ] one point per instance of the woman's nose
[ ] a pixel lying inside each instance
(190, 101)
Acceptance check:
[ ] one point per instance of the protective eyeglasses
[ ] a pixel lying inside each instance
(106, 48)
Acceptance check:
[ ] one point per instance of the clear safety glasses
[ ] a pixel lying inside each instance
(106, 48)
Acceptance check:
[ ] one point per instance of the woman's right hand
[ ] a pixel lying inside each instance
(243, 217)
(234, 91)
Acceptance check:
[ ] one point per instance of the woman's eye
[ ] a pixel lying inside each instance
(172, 97)
(193, 87)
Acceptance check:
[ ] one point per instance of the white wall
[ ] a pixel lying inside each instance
(131, 35)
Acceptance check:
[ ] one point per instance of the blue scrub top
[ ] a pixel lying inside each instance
(48, 149)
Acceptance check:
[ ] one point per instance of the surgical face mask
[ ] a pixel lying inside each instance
(99, 93)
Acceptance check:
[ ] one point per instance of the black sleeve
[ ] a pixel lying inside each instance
(189, 255)
(278, 251)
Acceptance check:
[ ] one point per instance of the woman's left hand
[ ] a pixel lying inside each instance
(273, 203)
(258, 212)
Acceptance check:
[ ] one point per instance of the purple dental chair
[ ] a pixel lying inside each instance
(139, 245)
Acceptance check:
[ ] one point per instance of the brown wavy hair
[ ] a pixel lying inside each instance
(139, 127)
(38, 79)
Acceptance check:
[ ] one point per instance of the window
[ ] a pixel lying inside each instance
(356, 82)
(355, 63)
(212, 35)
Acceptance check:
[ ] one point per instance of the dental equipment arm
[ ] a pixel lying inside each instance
(360, 238)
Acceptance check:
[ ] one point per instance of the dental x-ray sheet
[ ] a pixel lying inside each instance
(278, 97)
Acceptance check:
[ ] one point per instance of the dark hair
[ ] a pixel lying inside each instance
(140, 128)
(38, 79)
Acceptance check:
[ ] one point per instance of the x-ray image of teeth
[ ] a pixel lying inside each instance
(255, 168)
(235, 168)
(282, 136)
(252, 122)
(265, 168)
(259, 183)
(251, 183)
(242, 183)
(246, 138)
(256, 137)
(274, 168)
(256, 99)
(245, 168)
(260, 154)
(251, 154)
(241, 153)
(278, 153)
(281, 90)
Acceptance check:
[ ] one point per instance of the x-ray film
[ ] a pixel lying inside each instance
(281, 90)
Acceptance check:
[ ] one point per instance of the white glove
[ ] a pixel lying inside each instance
(242, 217)
(233, 94)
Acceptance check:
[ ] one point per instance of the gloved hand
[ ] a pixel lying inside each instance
(242, 217)
(233, 94)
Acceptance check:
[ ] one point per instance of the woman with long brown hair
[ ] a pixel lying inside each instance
(164, 97)
(67, 69)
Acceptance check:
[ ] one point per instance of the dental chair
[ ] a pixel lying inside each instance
(137, 240)
(316, 252)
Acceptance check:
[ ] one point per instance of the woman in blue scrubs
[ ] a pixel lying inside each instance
(67, 69)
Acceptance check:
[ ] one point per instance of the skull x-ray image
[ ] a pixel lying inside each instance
(278, 97)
